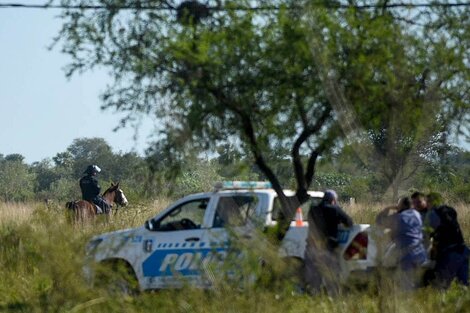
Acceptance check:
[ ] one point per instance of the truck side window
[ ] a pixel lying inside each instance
(188, 215)
(234, 210)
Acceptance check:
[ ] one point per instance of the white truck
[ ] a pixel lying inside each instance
(173, 247)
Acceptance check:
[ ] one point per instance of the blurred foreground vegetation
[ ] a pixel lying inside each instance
(41, 259)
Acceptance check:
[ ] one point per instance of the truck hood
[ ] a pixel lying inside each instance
(117, 234)
(111, 242)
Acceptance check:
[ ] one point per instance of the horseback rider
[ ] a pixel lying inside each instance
(91, 189)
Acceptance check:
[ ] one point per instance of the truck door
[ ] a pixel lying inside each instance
(175, 244)
(235, 217)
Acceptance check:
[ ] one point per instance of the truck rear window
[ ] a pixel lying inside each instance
(234, 210)
(305, 207)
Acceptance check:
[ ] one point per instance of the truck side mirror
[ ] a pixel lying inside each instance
(148, 224)
(152, 225)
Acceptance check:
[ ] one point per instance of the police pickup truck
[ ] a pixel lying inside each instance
(174, 247)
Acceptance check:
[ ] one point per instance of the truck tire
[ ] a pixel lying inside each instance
(117, 277)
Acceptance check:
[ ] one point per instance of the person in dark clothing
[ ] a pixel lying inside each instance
(433, 200)
(327, 216)
(322, 266)
(91, 189)
(449, 249)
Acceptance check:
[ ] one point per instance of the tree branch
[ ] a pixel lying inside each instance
(287, 205)
(302, 179)
(311, 167)
(288, 211)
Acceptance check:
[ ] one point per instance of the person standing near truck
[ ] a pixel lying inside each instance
(449, 249)
(321, 264)
(409, 239)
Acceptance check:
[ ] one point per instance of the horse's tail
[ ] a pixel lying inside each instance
(70, 205)
(70, 211)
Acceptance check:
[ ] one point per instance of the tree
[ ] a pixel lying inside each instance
(16, 180)
(45, 174)
(397, 87)
(263, 78)
(236, 76)
(230, 161)
(86, 151)
(63, 159)
(15, 157)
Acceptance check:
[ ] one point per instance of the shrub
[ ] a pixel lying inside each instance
(16, 181)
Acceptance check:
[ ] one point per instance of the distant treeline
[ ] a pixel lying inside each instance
(57, 178)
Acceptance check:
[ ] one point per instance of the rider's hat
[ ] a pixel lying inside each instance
(91, 169)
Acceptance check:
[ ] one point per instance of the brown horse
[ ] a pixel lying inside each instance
(83, 210)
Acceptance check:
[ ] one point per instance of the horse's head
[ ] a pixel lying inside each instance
(116, 195)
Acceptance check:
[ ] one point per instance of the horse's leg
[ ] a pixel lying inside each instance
(71, 212)
(78, 214)
(92, 214)
(69, 215)
(88, 215)
(108, 216)
(83, 214)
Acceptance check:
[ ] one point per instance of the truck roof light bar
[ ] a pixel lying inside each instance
(234, 185)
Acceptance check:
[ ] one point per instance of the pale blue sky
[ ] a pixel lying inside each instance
(41, 112)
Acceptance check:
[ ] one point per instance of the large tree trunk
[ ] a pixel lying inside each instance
(303, 178)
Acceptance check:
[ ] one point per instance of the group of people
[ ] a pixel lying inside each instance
(428, 243)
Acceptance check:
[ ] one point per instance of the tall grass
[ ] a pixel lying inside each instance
(41, 259)
(15, 212)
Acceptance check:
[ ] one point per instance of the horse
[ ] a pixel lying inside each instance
(83, 210)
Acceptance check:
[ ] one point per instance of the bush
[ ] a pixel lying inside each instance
(64, 190)
(460, 190)
(358, 188)
(16, 181)
(201, 177)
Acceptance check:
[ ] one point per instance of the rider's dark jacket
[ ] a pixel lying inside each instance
(90, 188)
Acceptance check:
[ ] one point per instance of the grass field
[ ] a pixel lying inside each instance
(41, 258)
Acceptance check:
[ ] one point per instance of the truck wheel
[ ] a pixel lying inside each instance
(117, 277)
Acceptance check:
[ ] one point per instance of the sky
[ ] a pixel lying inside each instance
(41, 111)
